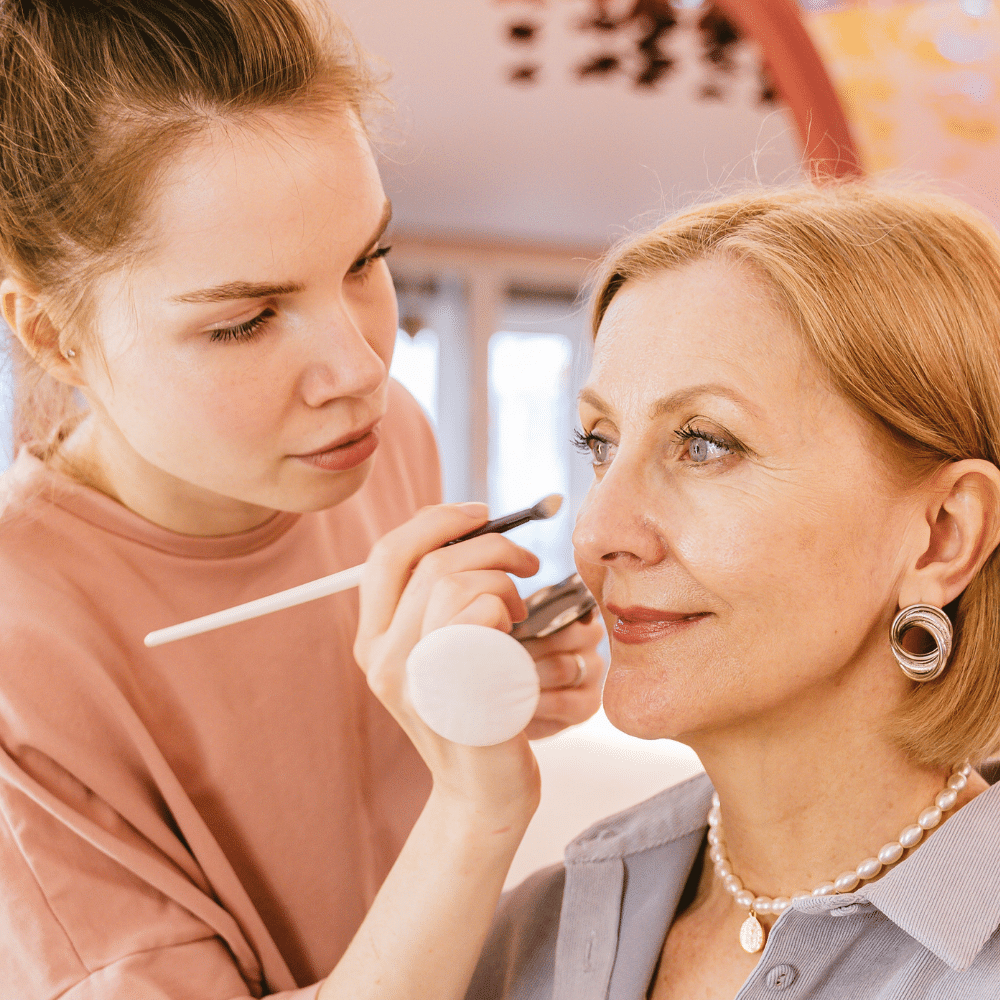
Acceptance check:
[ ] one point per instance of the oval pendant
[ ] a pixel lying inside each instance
(752, 934)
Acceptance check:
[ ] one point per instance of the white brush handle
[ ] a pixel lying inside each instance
(324, 586)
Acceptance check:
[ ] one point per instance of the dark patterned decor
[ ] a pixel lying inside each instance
(632, 42)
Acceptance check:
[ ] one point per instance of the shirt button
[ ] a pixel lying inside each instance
(781, 977)
(847, 910)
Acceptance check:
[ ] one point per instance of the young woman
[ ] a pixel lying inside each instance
(192, 240)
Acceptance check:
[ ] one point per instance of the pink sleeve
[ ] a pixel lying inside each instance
(75, 924)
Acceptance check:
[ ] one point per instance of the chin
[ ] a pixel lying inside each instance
(323, 490)
(643, 706)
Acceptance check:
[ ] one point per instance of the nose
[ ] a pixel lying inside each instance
(617, 523)
(344, 360)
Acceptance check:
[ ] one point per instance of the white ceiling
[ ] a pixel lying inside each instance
(560, 161)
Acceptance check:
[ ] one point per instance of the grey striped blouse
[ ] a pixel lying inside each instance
(592, 928)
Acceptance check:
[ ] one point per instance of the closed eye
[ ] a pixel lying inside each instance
(363, 264)
(242, 332)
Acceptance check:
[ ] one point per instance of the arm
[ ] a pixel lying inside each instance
(423, 935)
(114, 907)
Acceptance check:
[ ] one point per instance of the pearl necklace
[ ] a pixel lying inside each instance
(752, 934)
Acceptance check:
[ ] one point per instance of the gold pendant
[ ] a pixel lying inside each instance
(752, 934)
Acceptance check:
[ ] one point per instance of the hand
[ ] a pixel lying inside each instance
(412, 586)
(567, 698)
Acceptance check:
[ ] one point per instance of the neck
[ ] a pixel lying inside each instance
(808, 796)
(102, 459)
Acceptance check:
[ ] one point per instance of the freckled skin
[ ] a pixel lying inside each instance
(197, 435)
(791, 548)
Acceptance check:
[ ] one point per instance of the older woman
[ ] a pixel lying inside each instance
(794, 417)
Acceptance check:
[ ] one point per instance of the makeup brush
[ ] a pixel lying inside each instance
(545, 508)
(334, 584)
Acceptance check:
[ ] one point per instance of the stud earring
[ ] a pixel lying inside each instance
(70, 354)
(922, 666)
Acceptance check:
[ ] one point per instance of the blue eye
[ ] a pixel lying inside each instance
(600, 449)
(703, 447)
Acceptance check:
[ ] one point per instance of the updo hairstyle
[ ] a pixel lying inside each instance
(95, 95)
(897, 294)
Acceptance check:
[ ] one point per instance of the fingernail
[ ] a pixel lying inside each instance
(476, 510)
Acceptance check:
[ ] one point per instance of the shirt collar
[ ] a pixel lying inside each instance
(946, 895)
(663, 819)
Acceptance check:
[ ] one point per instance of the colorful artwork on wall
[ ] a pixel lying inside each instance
(920, 83)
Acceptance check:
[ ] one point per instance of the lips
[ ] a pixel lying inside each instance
(636, 624)
(346, 452)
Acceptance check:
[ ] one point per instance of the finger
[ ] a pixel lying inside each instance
(488, 552)
(452, 594)
(539, 729)
(563, 707)
(486, 609)
(579, 637)
(562, 670)
(393, 557)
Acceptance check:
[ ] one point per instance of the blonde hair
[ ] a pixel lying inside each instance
(95, 94)
(898, 295)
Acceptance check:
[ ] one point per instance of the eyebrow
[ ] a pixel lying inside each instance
(677, 400)
(231, 290)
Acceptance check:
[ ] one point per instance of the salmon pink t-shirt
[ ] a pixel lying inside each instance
(209, 819)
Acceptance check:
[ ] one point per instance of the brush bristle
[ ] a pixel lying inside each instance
(548, 506)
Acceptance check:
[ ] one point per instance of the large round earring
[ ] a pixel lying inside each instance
(922, 666)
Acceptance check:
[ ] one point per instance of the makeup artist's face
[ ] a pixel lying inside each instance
(741, 533)
(247, 354)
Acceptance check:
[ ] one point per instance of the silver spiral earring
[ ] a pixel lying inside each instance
(922, 666)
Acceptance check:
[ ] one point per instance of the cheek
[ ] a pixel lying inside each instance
(199, 403)
(378, 314)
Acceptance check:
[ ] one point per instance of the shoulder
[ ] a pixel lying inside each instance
(408, 457)
(406, 421)
(518, 959)
(667, 817)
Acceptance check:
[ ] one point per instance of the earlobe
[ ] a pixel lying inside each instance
(33, 327)
(963, 516)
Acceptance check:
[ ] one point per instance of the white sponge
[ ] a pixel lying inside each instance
(472, 684)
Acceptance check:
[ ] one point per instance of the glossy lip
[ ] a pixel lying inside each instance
(637, 624)
(346, 452)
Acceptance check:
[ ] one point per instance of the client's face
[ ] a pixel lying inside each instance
(741, 535)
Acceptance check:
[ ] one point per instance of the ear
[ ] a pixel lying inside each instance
(963, 518)
(25, 314)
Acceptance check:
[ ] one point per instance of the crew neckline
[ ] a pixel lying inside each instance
(34, 480)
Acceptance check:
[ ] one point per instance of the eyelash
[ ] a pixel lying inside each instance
(252, 327)
(361, 266)
(691, 434)
(245, 331)
(585, 442)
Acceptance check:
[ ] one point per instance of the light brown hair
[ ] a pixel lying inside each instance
(897, 293)
(94, 96)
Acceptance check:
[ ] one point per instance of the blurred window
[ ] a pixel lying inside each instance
(537, 362)
(432, 360)
(415, 363)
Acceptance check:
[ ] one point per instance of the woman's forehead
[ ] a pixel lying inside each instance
(261, 172)
(246, 204)
(706, 323)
